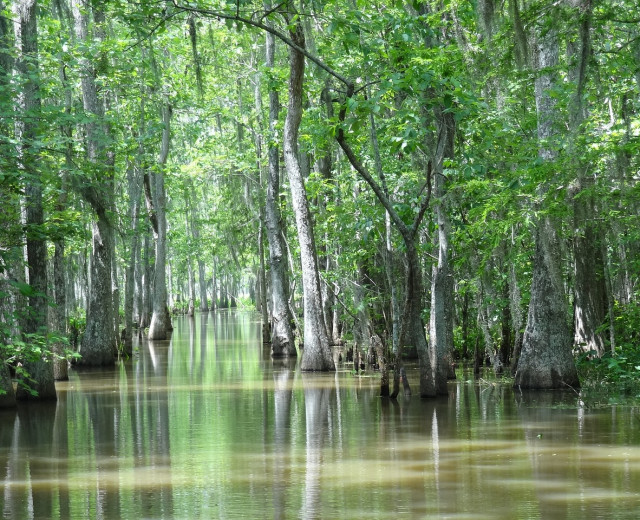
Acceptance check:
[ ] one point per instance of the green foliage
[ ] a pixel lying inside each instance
(30, 348)
(616, 373)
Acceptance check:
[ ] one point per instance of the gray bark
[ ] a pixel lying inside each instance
(590, 293)
(98, 343)
(317, 352)
(191, 280)
(262, 285)
(144, 284)
(441, 315)
(546, 360)
(61, 364)
(135, 189)
(195, 231)
(159, 327)
(282, 342)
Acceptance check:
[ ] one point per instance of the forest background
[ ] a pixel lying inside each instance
(456, 177)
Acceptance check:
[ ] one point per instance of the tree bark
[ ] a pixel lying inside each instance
(133, 178)
(317, 352)
(546, 360)
(195, 231)
(144, 289)
(590, 292)
(441, 314)
(41, 371)
(159, 327)
(282, 342)
(98, 343)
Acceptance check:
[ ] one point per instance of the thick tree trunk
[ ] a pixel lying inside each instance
(317, 352)
(26, 28)
(546, 360)
(98, 343)
(590, 292)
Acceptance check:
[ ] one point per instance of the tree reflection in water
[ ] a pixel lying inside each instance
(209, 426)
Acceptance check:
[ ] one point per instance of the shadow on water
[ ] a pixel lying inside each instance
(207, 425)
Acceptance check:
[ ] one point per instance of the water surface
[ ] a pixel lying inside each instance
(208, 426)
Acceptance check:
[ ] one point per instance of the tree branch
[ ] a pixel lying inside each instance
(259, 25)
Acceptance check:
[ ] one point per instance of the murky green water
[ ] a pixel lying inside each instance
(208, 426)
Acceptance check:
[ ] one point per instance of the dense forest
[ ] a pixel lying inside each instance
(445, 179)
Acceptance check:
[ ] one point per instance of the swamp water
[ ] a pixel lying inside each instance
(208, 426)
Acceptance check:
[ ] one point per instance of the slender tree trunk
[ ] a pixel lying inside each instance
(26, 29)
(191, 280)
(159, 327)
(262, 285)
(282, 342)
(317, 352)
(60, 363)
(145, 290)
(441, 315)
(413, 329)
(390, 262)
(362, 327)
(214, 285)
(135, 188)
(195, 232)
(546, 360)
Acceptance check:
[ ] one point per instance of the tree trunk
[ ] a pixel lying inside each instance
(159, 327)
(441, 315)
(195, 232)
(191, 279)
(214, 286)
(262, 285)
(546, 360)
(135, 186)
(60, 364)
(7, 307)
(144, 290)
(413, 325)
(282, 342)
(590, 293)
(317, 352)
(98, 343)
(26, 29)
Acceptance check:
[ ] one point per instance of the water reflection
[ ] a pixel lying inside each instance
(209, 426)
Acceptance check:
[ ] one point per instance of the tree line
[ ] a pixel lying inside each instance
(438, 178)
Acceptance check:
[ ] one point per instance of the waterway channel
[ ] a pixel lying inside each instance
(207, 425)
